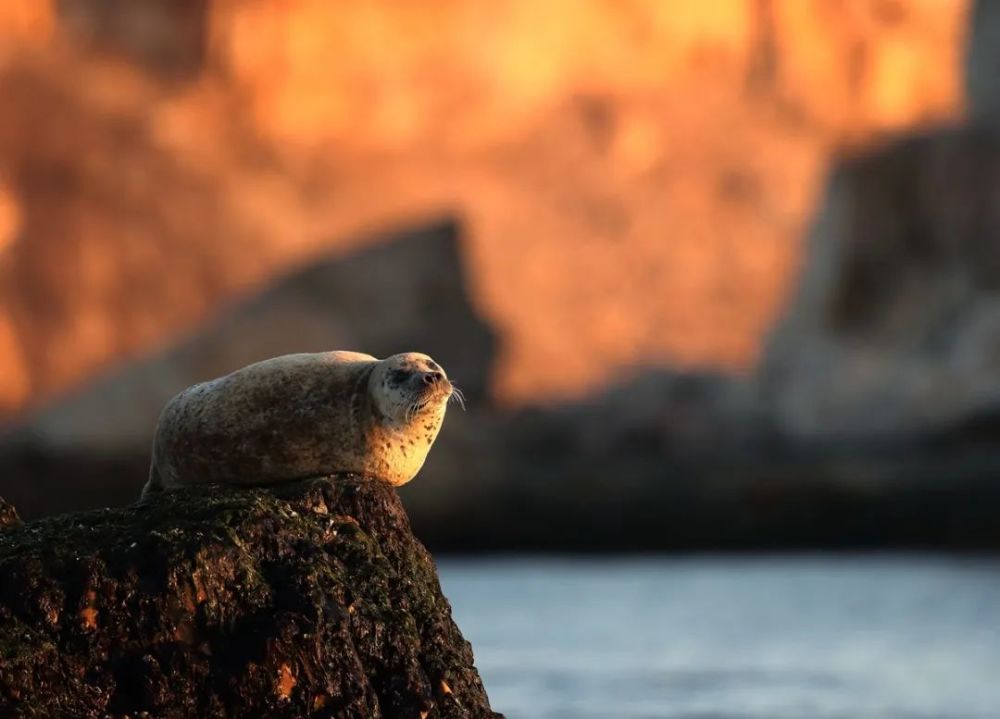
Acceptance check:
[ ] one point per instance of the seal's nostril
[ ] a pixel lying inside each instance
(431, 377)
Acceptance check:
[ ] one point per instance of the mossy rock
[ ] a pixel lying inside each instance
(311, 599)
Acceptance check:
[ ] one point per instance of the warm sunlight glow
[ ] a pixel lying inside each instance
(635, 177)
(25, 21)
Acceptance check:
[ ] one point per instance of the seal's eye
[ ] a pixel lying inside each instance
(398, 376)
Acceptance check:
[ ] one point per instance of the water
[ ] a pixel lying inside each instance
(733, 638)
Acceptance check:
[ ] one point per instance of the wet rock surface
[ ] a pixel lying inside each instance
(308, 599)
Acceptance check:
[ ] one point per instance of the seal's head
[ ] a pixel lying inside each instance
(409, 387)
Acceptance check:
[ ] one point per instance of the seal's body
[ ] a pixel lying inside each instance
(303, 415)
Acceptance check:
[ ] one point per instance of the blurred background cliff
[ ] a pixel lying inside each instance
(719, 275)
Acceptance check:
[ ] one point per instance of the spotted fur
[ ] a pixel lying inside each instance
(300, 416)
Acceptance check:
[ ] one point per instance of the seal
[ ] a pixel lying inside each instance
(303, 415)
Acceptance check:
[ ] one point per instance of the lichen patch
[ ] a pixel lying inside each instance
(89, 613)
(286, 682)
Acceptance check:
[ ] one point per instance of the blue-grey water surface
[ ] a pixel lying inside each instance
(801, 637)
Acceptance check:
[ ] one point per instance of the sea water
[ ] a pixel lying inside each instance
(707, 637)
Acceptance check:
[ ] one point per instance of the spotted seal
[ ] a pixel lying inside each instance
(303, 415)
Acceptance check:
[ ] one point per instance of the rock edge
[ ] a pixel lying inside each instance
(310, 599)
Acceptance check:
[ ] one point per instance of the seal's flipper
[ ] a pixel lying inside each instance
(152, 487)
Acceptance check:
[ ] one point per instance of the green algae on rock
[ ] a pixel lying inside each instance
(310, 599)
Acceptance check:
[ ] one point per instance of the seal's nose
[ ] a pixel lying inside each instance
(432, 378)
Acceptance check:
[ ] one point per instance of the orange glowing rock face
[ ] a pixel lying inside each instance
(636, 176)
(387, 75)
(10, 216)
(649, 166)
(390, 74)
(26, 21)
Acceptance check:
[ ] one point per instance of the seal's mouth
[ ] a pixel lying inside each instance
(431, 396)
(428, 397)
(420, 405)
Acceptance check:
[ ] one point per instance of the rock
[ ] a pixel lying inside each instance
(165, 38)
(8, 515)
(407, 293)
(895, 327)
(982, 62)
(310, 599)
